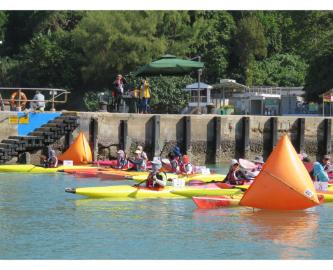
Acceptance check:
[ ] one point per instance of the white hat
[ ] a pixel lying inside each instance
(156, 162)
(165, 161)
(137, 152)
(120, 151)
(234, 161)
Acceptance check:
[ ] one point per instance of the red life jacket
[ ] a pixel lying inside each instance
(232, 178)
(150, 183)
(182, 168)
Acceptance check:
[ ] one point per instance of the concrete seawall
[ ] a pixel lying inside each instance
(210, 138)
(206, 138)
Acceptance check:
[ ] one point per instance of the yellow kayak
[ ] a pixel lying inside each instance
(200, 177)
(29, 168)
(328, 195)
(126, 191)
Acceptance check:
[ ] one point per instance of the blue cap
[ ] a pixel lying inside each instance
(176, 151)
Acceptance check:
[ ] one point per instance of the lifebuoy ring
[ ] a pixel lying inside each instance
(14, 102)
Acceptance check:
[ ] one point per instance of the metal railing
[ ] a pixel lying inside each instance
(55, 96)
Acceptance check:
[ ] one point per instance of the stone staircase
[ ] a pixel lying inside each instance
(39, 138)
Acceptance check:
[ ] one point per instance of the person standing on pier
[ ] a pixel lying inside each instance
(144, 96)
(118, 91)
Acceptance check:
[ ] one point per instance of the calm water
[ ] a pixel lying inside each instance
(38, 220)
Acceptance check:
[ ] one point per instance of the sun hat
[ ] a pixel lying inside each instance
(233, 162)
(258, 159)
(156, 162)
(137, 151)
(165, 161)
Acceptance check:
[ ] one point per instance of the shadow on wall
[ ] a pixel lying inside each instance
(210, 151)
(293, 135)
(149, 138)
(320, 140)
(267, 140)
(240, 147)
(180, 128)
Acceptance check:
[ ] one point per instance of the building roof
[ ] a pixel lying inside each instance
(195, 86)
(230, 85)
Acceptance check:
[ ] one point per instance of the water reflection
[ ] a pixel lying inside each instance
(295, 231)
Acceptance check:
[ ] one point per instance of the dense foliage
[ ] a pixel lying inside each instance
(82, 51)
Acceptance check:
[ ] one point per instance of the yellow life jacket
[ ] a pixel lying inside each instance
(145, 90)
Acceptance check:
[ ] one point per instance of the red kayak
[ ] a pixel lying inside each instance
(207, 202)
(87, 174)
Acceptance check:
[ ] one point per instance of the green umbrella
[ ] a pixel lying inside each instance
(169, 65)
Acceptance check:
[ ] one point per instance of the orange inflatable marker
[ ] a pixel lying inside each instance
(283, 183)
(79, 151)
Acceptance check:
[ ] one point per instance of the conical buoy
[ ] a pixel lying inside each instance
(79, 151)
(283, 183)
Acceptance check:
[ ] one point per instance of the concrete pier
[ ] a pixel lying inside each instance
(206, 138)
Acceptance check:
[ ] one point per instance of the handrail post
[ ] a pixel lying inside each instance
(19, 100)
(53, 109)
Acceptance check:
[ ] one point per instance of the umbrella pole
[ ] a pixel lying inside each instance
(199, 73)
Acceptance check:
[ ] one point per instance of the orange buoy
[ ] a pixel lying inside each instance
(79, 151)
(283, 183)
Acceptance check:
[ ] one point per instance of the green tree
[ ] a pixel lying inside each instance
(249, 45)
(280, 70)
(115, 42)
(48, 61)
(319, 77)
(168, 95)
(214, 42)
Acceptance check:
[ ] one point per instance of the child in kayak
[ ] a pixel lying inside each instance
(235, 176)
(173, 165)
(122, 162)
(156, 179)
(138, 161)
(143, 153)
(186, 167)
(52, 160)
(258, 161)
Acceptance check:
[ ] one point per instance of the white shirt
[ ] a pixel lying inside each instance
(41, 100)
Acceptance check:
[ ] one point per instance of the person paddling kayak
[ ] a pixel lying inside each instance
(156, 179)
(319, 173)
(52, 160)
(235, 176)
(138, 161)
